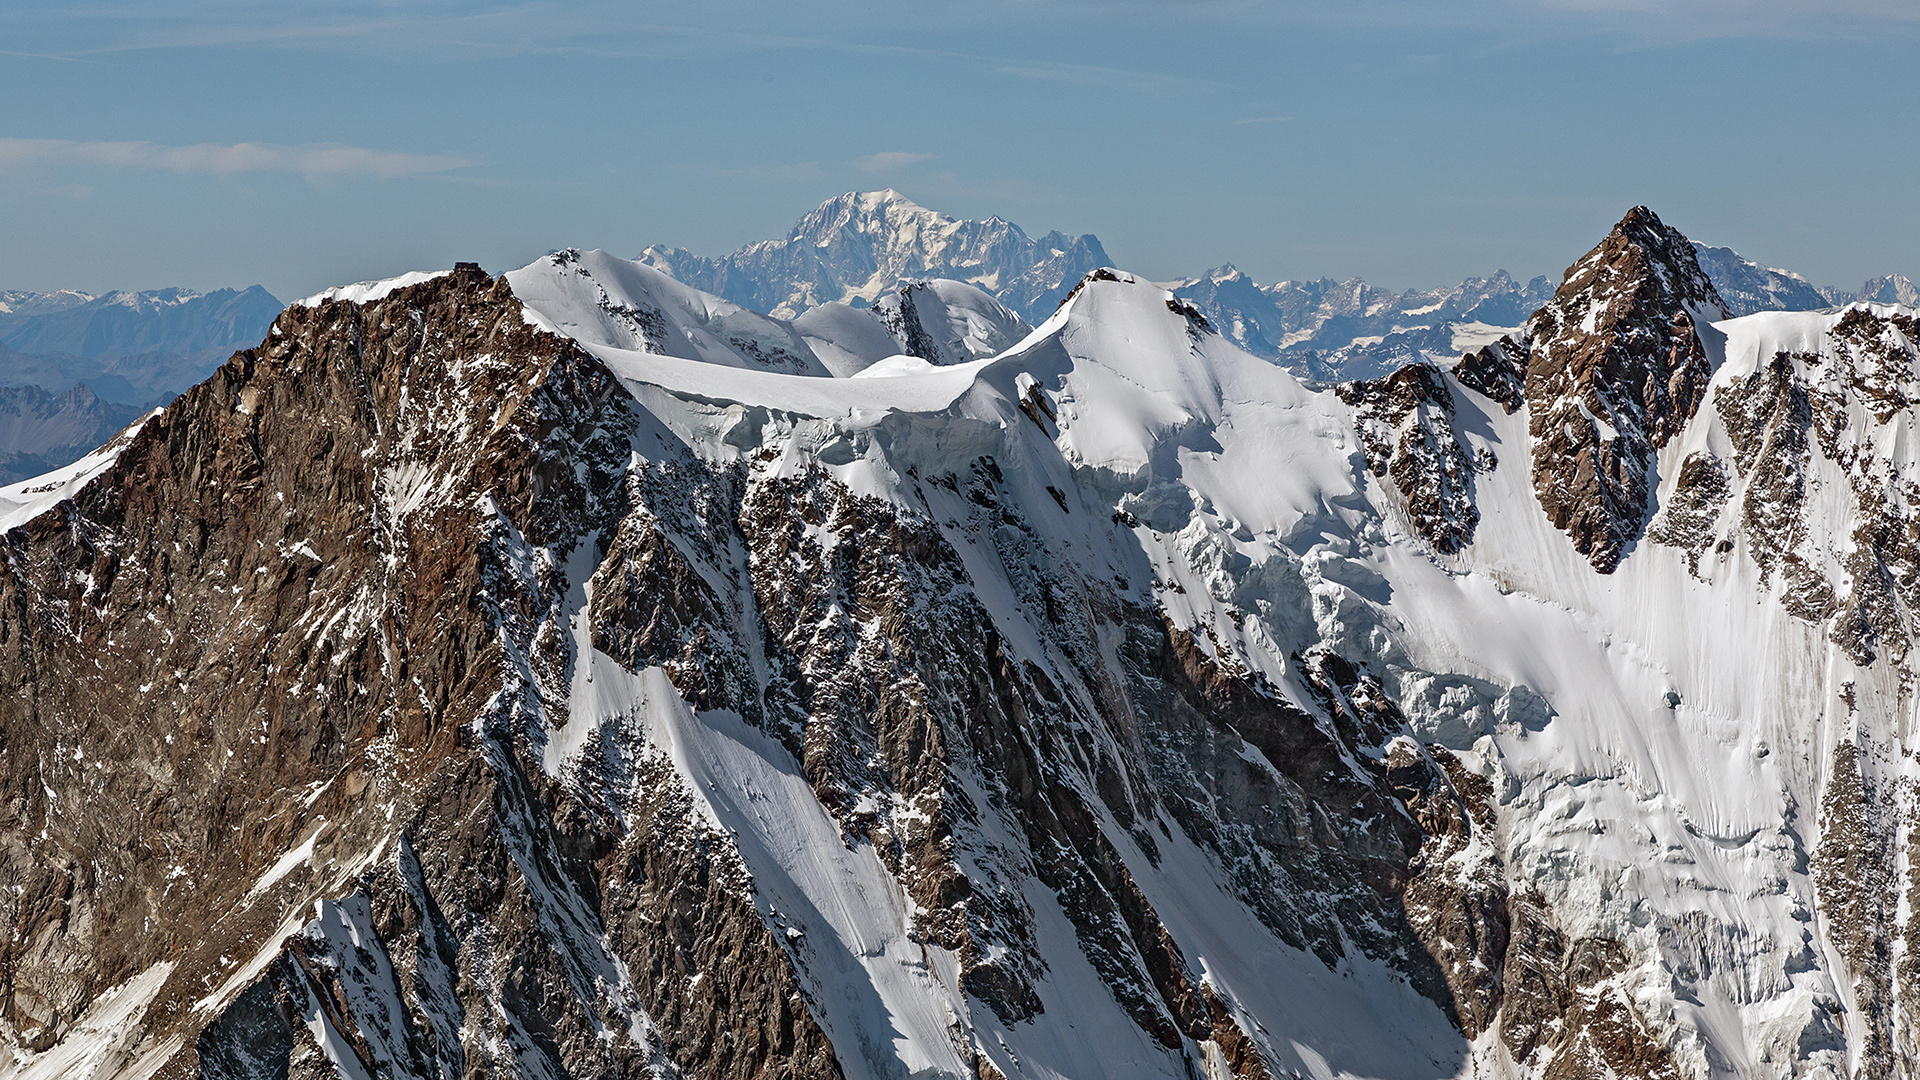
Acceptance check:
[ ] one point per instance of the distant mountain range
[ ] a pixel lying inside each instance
(129, 347)
(1332, 330)
(857, 247)
(575, 673)
(862, 277)
(76, 367)
(40, 431)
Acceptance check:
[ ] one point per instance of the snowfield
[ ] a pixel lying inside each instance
(1663, 752)
(1657, 738)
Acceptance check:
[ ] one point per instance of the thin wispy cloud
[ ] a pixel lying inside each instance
(1090, 75)
(44, 56)
(1264, 120)
(887, 161)
(312, 160)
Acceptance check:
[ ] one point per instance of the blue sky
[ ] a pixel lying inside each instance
(206, 144)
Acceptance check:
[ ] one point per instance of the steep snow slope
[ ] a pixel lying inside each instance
(1653, 793)
(605, 300)
(939, 321)
(1114, 705)
(23, 500)
(883, 998)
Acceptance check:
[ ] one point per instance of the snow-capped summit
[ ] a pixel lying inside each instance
(1891, 289)
(596, 297)
(17, 302)
(540, 675)
(859, 246)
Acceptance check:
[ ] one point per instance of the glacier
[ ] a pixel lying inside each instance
(1091, 698)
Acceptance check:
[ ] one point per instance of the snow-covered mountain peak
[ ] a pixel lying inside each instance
(601, 299)
(21, 302)
(941, 321)
(885, 212)
(858, 246)
(1891, 289)
(1109, 702)
(151, 299)
(1747, 287)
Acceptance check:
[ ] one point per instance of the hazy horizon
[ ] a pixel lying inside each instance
(220, 144)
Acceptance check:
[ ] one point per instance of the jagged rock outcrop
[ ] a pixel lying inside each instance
(1405, 422)
(350, 696)
(270, 656)
(1615, 368)
(1802, 422)
(461, 684)
(1498, 370)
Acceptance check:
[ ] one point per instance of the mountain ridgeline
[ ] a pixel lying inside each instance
(129, 347)
(579, 673)
(75, 368)
(857, 247)
(861, 245)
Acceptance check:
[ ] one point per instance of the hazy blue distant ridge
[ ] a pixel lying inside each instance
(130, 323)
(860, 246)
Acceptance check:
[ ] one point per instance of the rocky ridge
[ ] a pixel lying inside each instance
(1616, 366)
(533, 700)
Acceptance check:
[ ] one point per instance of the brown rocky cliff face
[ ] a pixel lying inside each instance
(1406, 426)
(290, 616)
(1616, 368)
(285, 693)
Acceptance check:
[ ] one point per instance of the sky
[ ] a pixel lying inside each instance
(208, 144)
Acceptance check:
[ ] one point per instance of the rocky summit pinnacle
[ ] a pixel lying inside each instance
(1616, 366)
